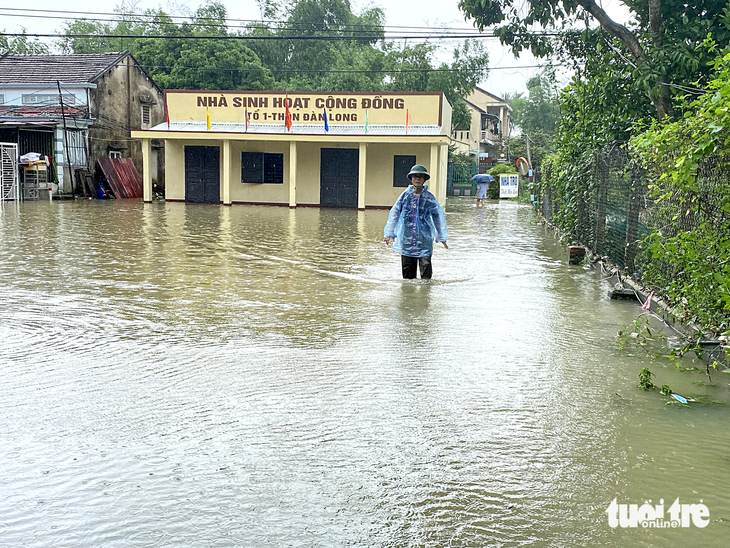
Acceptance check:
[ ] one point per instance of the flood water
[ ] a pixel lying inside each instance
(202, 376)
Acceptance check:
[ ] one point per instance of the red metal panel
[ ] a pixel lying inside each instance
(123, 177)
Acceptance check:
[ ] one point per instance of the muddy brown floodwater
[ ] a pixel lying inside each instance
(181, 375)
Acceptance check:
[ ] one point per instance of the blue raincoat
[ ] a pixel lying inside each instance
(415, 221)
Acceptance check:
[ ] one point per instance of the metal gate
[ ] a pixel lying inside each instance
(459, 181)
(9, 178)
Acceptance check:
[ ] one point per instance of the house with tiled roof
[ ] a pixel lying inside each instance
(489, 130)
(76, 109)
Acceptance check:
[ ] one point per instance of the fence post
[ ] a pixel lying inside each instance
(474, 171)
(450, 179)
(603, 180)
(632, 219)
(582, 228)
(546, 198)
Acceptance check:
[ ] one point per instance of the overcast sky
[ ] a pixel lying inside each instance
(507, 74)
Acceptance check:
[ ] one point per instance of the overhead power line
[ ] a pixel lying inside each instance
(399, 32)
(202, 21)
(273, 37)
(337, 71)
(279, 27)
(41, 61)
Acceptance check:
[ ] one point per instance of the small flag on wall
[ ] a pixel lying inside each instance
(367, 126)
(287, 115)
(207, 117)
(167, 114)
(326, 125)
(248, 119)
(409, 121)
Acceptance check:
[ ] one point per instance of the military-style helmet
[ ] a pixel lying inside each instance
(418, 169)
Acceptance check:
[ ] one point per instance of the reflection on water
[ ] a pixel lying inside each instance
(181, 375)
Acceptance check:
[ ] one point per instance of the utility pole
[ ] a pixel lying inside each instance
(527, 142)
(65, 136)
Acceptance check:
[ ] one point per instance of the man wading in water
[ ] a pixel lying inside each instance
(415, 220)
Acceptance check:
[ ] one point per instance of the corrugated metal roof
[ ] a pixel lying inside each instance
(302, 129)
(123, 177)
(48, 69)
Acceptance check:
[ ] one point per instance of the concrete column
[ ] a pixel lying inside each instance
(147, 170)
(227, 172)
(361, 176)
(504, 129)
(64, 183)
(293, 174)
(444, 171)
(435, 184)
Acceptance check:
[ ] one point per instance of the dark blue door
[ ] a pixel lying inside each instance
(338, 177)
(202, 175)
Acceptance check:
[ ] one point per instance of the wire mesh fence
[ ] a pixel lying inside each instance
(609, 212)
(673, 235)
(692, 224)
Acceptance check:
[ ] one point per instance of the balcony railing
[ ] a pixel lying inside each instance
(488, 136)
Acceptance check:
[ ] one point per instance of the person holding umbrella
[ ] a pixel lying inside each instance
(482, 180)
(414, 222)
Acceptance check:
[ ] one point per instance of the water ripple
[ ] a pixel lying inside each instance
(254, 376)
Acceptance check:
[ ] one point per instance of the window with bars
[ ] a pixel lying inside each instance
(76, 140)
(145, 116)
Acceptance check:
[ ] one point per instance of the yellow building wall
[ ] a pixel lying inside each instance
(257, 192)
(265, 107)
(309, 159)
(446, 115)
(175, 166)
(379, 189)
(443, 174)
(306, 108)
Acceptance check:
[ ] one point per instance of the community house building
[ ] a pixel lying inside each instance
(349, 150)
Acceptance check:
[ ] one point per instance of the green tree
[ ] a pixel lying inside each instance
(208, 64)
(22, 45)
(659, 48)
(469, 67)
(366, 62)
(540, 109)
(541, 145)
(688, 162)
(89, 36)
(176, 56)
(536, 116)
(321, 45)
(269, 9)
(413, 70)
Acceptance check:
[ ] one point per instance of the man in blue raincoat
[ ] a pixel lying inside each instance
(415, 221)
